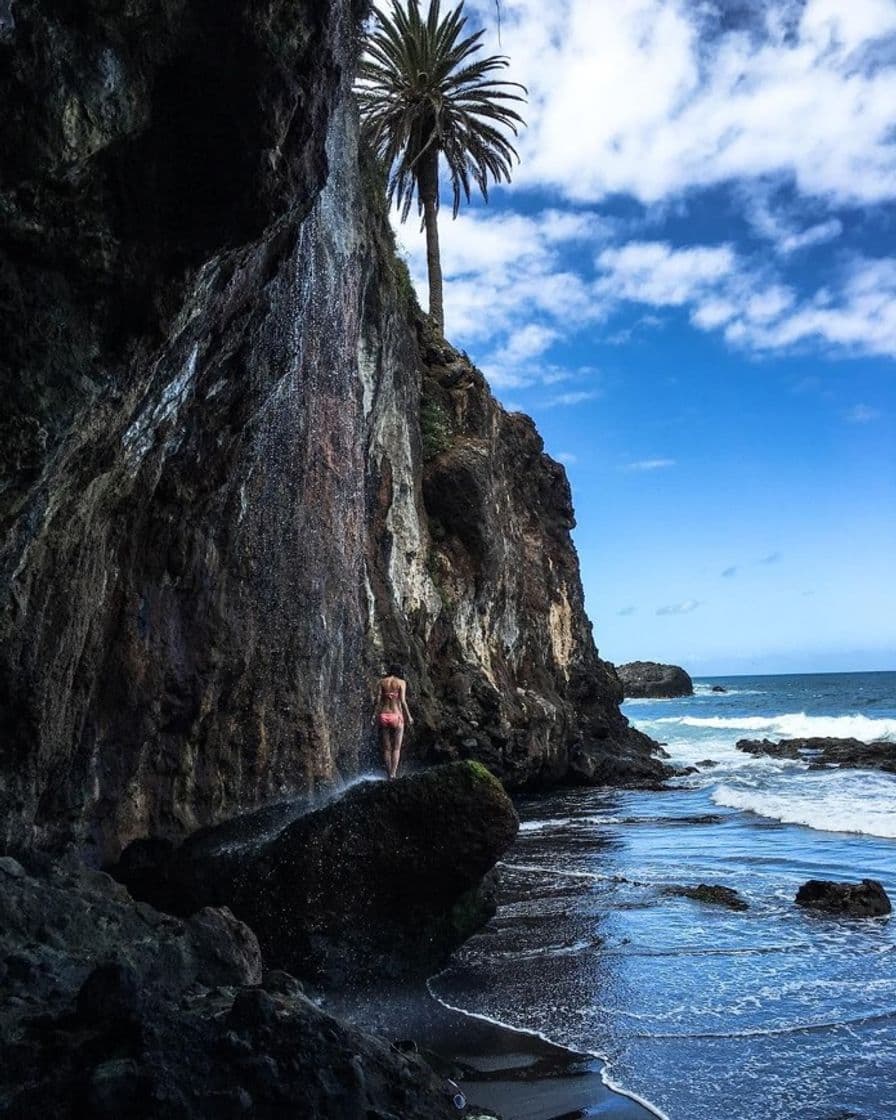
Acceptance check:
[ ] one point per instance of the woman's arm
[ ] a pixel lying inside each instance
(404, 704)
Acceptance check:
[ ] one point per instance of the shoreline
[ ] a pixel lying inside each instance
(506, 1071)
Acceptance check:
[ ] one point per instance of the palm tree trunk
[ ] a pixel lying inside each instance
(429, 195)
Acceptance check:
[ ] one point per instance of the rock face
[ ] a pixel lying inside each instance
(648, 679)
(112, 1010)
(711, 893)
(866, 899)
(510, 673)
(822, 752)
(384, 882)
(237, 474)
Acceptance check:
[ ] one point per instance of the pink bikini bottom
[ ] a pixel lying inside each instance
(391, 719)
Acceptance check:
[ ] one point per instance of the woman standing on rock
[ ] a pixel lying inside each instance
(391, 713)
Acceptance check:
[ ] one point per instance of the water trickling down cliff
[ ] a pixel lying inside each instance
(238, 469)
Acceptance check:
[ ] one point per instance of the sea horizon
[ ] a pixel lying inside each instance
(792, 673)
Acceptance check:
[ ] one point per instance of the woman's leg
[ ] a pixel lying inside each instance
(386, 745)
(397, 736)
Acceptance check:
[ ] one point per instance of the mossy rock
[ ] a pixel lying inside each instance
(385, 881)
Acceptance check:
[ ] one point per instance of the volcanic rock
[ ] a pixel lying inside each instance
(711, 893)
(384, 881)
(238, 469)
(822, 752)
(116, 1018)
(866, 899)
(648, 679)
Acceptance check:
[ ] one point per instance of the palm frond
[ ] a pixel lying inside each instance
(422, 85)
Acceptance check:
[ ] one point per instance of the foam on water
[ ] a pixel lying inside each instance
(786, 790)
(792, 725)
(774, 1013)
(829, 801)
(649, 1107)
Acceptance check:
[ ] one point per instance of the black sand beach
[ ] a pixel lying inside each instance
(514, 1074)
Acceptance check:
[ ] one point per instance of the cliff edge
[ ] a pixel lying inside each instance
(237, 469)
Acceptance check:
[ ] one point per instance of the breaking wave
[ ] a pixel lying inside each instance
(794, 725)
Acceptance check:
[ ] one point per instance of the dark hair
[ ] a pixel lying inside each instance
(395, 671)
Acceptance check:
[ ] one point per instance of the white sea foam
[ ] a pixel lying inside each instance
(601, 1057)
(707, 690)
(868, 809)
(542, 826)
(793, 725)
(554, 824)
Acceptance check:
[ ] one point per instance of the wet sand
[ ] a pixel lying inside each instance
(512, 1074)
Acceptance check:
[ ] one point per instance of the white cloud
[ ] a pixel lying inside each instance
(567, 457)
(788, 104)
(858, 315)
(862, 414)
(650, 465)
(578, 396)
(656, 97)
(680, 608)
(507, 367)
(776, 216)
(725, 291)
(503, 269)
(654, 272)
(814, 235)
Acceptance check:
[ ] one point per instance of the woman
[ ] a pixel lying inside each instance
(391, 713)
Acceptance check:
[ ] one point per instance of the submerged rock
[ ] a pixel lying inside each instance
(711, 893)
(384, 881)
(124, 1013)
(866, 899)
(649, 679)
(821, 752)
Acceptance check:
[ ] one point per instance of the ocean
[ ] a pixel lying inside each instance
(773, 1013)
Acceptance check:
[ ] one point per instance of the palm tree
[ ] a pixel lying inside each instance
(423, 95)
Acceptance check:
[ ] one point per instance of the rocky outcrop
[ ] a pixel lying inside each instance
(866, 899)
(113, 1010)
(510, 673)
(382, 883)
(824, 752)
(711, 893)
(649, 679)
(237, 471)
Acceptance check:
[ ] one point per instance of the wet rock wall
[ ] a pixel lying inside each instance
(238, 471)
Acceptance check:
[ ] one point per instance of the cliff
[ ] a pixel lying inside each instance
(237, 470)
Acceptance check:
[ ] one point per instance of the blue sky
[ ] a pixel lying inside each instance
(691, 287)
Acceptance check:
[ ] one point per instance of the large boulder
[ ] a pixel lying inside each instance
(825, 751)
(58, 922)
(866, 899)
(385, 880)
(110, 1009)
(649, 679)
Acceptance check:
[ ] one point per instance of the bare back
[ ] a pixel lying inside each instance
(391, 694)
